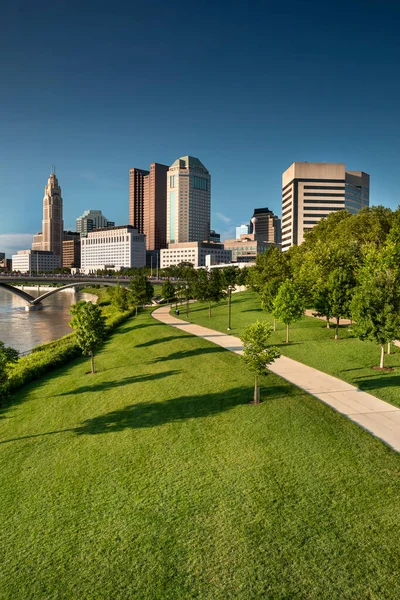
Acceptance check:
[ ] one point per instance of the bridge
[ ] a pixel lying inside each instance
(9, 284)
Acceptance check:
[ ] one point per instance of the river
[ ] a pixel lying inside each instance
(24, 330)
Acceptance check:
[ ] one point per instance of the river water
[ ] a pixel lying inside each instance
(24, 330)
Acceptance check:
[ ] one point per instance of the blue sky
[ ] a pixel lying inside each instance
(98, 87)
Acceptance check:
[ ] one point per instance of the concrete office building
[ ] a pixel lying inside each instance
(311, 191)
(242, 230)
(246, 248)
(51, 237)
(195, 253)
(35, 261)
(91, 220)
(188, 201)
(113, 248)
(266, 226)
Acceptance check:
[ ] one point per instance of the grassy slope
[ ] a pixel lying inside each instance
(154, 479)
(312, 344)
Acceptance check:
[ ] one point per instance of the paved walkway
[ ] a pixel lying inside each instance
(376, 416)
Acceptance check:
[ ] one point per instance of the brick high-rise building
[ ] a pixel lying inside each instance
(136, 198)
(155, 207)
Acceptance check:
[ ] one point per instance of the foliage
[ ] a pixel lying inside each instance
(168, 291)
(120, 297)
(89, 325)
(208, 287)
(257, 355)
(288, 306)
(141, 290)
(8, 356)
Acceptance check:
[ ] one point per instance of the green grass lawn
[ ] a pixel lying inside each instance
(155, 479)
(312, 344)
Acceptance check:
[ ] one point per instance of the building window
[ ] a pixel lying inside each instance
(172, 181)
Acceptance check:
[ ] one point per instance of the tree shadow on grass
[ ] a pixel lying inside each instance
(187, 353)
(107, 385)
(167, 338)
(373, 382)
(154, 414)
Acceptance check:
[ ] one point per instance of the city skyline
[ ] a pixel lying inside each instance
(236, 110)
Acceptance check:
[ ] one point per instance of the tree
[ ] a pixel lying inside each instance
(257, 355)
(119, 297)
(288, 305)
(168, 291)
(141, 290)
(340, 287)
(7, 355)
(376, 303)
(90, 327)
(208, 287)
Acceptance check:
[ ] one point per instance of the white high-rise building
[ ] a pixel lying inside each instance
(113, 248)
(188, 201)
(242, 230)
(311, 191)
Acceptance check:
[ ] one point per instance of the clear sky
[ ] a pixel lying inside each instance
(98, 87)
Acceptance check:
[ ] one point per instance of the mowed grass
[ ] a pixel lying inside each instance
(155, 479)
(312, 344)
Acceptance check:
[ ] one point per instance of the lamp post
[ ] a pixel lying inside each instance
(187, 301)
(230, 288)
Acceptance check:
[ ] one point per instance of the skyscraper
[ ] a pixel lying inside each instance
(155, 207)
(267, 226)
(90, 220)
(136, 198)
(51, 236)
(310, 191)
(243, 229)
(188, 201)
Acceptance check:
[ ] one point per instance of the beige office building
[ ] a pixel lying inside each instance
(311, 191)
(51, 236)
(188, 201)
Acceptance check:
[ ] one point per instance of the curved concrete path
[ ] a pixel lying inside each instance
(376, 416)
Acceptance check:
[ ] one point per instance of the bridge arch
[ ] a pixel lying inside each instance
(31, 301)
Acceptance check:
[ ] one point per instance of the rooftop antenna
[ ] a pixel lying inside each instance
(53, 169)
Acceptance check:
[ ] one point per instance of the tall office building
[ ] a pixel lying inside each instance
(51, 237)
(91, 220)
(188, 201)
(155, 207)
(136, 198)
(310, 191)
(266, 226)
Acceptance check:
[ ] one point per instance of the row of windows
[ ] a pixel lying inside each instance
(323, 194)
(286, 219)
(289, 191)
(308, 215)
(310, 222)
(199, 183)
(327, 208)
(323, 202)
(319, 187)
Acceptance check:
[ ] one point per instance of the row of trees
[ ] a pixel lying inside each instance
(347, 267)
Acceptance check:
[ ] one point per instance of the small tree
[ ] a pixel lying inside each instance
(208, 287)
(257, 355)
(90, 327)
(288, 305)
(141, 290)
(168, 291)
(119, 297)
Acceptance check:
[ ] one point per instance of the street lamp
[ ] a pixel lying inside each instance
(230, 289)
(187, 301)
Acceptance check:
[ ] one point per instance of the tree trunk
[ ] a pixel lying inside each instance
(92, 361)
(337, 328)
(389, 347)
(256, 398)
(382, 355)
(136, 309)
(328, 325)
(287, 333)
(209, 309)
(274, 324)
